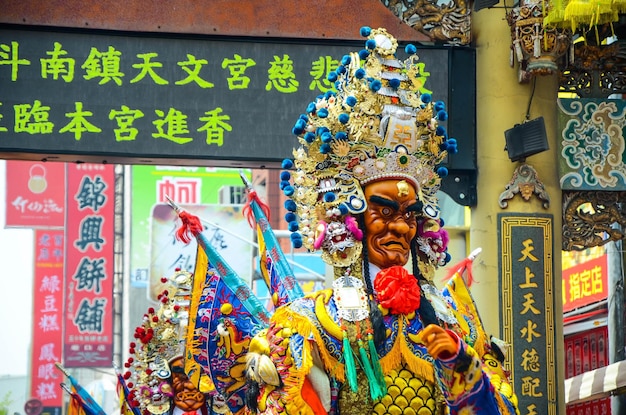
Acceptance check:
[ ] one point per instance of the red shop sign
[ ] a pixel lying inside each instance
(47, 318)
(35, 194)
(89, 265)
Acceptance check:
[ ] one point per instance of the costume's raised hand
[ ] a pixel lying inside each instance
(439, 343)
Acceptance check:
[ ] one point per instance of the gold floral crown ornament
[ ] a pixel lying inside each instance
(378, 125)
(159, 339)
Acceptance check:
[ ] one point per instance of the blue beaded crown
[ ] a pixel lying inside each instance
(377, 125)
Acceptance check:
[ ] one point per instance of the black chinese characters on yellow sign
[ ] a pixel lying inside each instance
(527, 308)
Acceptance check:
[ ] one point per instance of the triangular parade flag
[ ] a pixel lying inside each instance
(77, 405)
(90, 406)
(126, 406)
(457, 288)
(277, 273)
(224, 315)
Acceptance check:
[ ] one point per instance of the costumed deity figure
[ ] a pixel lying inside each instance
(154, 372)
(362, 188)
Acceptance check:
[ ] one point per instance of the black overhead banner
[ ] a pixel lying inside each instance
(130, 98)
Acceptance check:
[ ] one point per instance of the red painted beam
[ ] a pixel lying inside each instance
(336, 19)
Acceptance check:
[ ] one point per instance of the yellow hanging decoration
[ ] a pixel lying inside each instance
(571, 14)
(592, 12)
(555, 13)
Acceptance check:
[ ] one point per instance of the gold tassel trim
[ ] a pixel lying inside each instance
(295, 404)
(192, 368)
(303, 325)
(504, 409)
(579, 11)
(401, 352)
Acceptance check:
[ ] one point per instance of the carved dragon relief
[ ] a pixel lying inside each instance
(596, 70)
(589, 219)
(447, 21)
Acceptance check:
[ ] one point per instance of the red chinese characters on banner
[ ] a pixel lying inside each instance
(47, 317)
(89, 265)
(585, 283)
(35, 194)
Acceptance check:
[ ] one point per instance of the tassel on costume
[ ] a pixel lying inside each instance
(350, 367)
(376, 392)
(374, 385)
(378, 370)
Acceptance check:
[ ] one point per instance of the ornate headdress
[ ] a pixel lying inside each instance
(378, 125)
(158, 341)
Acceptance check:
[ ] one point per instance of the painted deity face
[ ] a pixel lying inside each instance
(390, 221)
(186, 396)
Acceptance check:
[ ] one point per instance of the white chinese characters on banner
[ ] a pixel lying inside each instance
(47, 317)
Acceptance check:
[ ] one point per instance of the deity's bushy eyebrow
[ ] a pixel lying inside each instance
(415, 207)
(385, 202)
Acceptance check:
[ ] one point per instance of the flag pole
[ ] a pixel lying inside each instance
(245, 180)
(62, 369)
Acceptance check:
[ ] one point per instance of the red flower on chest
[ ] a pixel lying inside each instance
(397, 290)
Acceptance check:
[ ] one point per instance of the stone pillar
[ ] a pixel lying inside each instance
(615, 262)
(501, 103)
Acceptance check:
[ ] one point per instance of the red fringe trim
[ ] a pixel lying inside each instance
(191, 227)
(465, 266)
(248, 213)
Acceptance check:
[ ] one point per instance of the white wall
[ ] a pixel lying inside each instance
(16, 286)
(18, 387)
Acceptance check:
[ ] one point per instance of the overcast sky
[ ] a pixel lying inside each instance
(16, 288)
